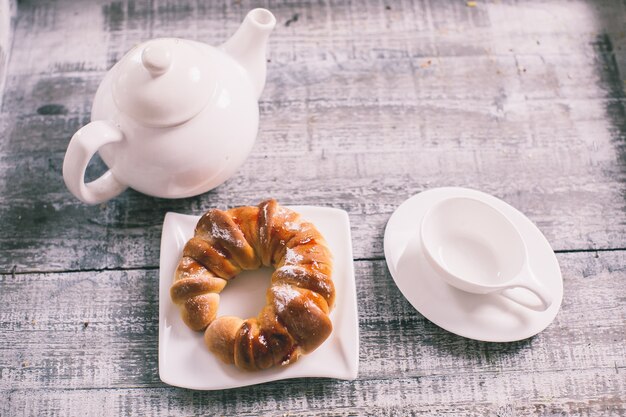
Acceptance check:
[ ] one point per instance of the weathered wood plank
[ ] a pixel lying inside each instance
(339, 29)
(45, 236)
(99, 330)
(579, 393)
(560, 166)
(364, 114)
(366, 104)
(400, 93)
(7, 18)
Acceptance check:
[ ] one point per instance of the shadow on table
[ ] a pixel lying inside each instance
(613, 83)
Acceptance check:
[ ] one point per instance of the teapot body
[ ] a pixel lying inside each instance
(190, 158)
(173, 118)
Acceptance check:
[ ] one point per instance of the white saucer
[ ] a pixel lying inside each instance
(490, 317)
(184, 361)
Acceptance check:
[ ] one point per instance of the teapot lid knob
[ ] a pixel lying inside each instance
(157, 59)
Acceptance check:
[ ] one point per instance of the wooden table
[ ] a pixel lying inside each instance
(366, 104)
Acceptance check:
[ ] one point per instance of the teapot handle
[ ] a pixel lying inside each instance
(84, 144)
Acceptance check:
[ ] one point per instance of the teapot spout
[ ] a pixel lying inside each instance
(247, 46)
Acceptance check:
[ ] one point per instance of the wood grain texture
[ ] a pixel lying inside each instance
(91, 338)
(365, 105)
(7, 18)
(465, 395)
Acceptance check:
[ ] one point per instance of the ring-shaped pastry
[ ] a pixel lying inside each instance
(295, 318)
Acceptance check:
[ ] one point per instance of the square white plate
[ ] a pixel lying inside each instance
(184, 360)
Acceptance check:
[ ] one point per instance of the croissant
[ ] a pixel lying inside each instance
(295, 318)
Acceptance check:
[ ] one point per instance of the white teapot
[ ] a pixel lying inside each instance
(173, 118)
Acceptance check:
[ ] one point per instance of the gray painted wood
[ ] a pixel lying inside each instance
(7, 18)
(366, 104)
(102, 352)
(426, 95)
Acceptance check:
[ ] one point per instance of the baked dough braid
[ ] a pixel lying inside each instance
(295, 319)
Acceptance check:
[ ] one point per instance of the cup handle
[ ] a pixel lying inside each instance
(83, 145)
(527, 280)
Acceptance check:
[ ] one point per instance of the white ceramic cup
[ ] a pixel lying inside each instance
(477, 249)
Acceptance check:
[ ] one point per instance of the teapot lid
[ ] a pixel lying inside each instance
(163, 82)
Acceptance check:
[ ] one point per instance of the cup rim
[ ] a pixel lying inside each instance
(455, 279)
